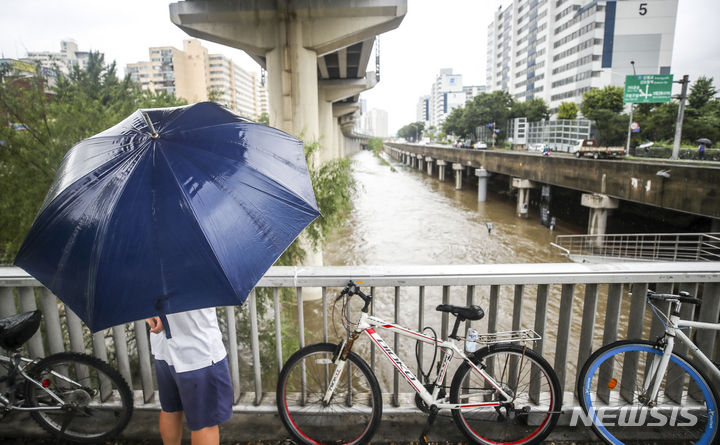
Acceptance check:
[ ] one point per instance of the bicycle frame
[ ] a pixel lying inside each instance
(367, 323)
(14, 363)
(672, 331)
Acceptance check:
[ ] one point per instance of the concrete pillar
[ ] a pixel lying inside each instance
(600, 207)
(292, 76)
(482, 175)
(523, 197)
(458, 175)
(421, 159)
(329, 140)
(441, 170)
(428, 162)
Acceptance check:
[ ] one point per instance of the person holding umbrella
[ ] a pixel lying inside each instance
(192, 374)
(701, 148)
(163, 217)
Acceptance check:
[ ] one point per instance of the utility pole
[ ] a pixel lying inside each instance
(632, 105)
(681, 112)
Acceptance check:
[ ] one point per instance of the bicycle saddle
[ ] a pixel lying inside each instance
(462, 312)
(17, 329)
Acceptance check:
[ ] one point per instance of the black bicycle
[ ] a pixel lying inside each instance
(74, 396)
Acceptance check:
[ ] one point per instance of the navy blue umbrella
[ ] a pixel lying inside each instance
(170, 210)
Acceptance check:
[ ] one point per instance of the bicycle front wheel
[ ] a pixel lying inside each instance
(530, 413)
(85, 399)
(614, 395)
(354, 410)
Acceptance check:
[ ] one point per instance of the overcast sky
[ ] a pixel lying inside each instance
(433, 35)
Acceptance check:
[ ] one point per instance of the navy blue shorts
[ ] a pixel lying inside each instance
(204, 394)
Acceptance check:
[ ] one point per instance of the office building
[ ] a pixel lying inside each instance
(559, 49)
(446, 94)
(196, 76)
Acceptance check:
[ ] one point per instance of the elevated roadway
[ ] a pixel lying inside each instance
(682, 186)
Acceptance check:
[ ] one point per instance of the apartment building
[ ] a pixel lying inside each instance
(196, 76)
(559, 49)
(68, 57)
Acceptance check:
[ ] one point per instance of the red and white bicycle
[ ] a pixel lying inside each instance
(502, 393)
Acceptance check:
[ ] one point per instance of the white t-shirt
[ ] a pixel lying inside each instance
(195, 340)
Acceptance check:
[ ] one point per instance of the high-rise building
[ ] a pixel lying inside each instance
(473, 90)
(64, 61)
(423, 110)
(372, 122)
(559, 49)
(446, 94)
(196, 76)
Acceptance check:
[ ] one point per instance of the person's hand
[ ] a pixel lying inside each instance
(155, 324)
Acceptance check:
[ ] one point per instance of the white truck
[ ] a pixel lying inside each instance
(590, 147)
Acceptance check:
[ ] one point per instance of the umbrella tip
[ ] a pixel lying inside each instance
(153, 132)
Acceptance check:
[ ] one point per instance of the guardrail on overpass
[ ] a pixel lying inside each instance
(585, 302)
(673, 185)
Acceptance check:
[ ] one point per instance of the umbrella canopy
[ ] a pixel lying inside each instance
(705, 141)
(170, 210)
(645, 145)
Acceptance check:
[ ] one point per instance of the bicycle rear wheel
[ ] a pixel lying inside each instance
(610, 391)
(521, 373)
(97, 403)
(353, 413)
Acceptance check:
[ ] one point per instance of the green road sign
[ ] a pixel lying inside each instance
(647, 88)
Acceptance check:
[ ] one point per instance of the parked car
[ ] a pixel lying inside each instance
(480, 145)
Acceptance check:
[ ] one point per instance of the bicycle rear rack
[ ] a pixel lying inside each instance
(509, 337)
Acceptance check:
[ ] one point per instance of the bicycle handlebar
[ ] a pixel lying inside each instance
(353, 289)
(683, 297)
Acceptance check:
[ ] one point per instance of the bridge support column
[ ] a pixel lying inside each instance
(458, 175)
(428, 162)
(523, 197)
(600, 207)
(441, 170)
(420, 159)
(482, 175)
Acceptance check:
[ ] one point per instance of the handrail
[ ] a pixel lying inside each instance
(543, 297)
(644, 247)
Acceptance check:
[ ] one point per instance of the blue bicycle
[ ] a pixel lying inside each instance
(637, 391)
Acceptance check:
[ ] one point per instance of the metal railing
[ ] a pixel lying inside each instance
(575, 308)
(640, 247)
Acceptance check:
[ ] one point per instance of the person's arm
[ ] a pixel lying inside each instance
(155, 324)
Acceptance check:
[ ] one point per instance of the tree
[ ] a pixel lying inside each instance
(702, 92)
(534, 109)
(412, 131)
(604, 107)
(46, 123)
(567, 110)
(453, 123)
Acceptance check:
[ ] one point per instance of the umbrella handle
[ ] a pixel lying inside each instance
(154, 134)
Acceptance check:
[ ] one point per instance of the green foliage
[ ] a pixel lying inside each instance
(534, 109)
(412, 131)
(334, 188)
(264, 119)
(376, 145)
(603, 106)
(80, 105)
(702, 92)
(567, 110)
